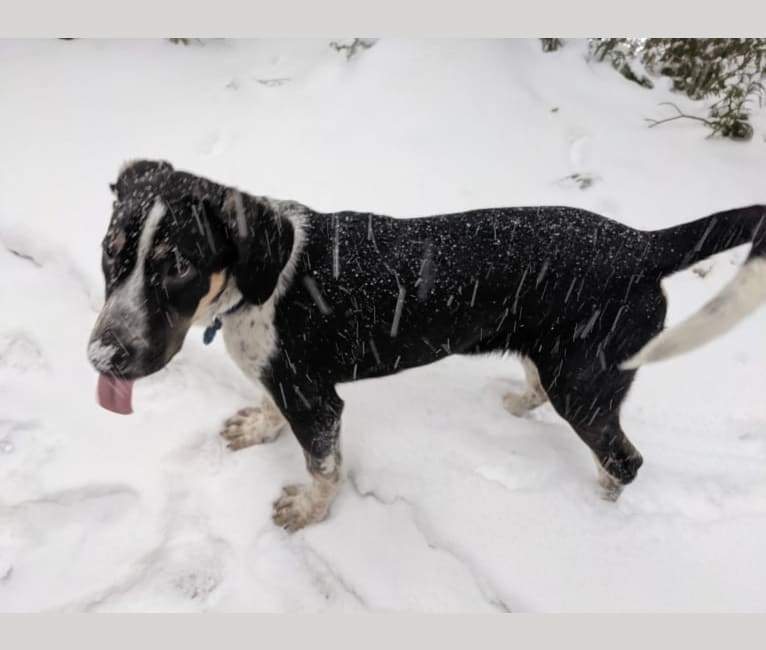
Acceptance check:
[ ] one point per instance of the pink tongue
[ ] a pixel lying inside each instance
(115, 394)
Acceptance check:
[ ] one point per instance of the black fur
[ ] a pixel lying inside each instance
(575, 292)
(370, 296)
(262, 240)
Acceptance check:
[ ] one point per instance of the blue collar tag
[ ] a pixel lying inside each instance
(211, 330)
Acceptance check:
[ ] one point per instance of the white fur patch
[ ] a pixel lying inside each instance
(101, 355)
(737, 300)
(302, 505)
(254, 426)
(251, 338)
(611, 487)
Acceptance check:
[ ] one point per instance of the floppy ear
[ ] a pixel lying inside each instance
(263, 241)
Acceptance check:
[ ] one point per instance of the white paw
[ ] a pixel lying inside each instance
(610, 491)
(299, 506)
(611, 488)
(252, 426)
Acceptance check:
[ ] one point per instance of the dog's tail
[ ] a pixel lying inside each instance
(674, 249)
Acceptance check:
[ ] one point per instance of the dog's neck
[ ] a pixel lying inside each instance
(228, 298)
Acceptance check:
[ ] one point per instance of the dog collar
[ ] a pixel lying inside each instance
(211, 330)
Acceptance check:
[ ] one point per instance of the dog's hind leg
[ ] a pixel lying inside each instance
(589, 400)
(617, 460)
(611, 487)
(533, 395)
(254, 426)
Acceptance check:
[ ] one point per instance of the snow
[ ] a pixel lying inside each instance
(450, 503)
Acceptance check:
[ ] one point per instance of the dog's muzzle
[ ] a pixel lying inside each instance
(111, 355)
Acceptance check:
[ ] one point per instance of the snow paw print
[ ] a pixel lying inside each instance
(580, 180)
(194, 570)
(9, 429)
(580, 154)
(514, 473)
(210, 145)
(197, 585)
(579, 149)
(20, 353)
(25, 447)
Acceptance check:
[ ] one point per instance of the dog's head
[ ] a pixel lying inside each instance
(173, 243)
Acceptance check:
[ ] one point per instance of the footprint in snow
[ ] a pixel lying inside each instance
(580, 150)
(514, 473)
(20, 352)
(580, 180)
(9, 430)
(192, 570)
(210, 145)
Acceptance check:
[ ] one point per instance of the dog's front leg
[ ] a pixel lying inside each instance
(314, 417)
(254, 425)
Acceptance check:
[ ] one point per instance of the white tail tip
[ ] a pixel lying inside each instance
(743, 295)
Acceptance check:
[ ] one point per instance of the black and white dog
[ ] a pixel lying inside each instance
(308, 300)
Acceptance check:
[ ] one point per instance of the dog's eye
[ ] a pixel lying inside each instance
(179, 269)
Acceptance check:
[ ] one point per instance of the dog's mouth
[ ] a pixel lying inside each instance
(115, 380)
(115, 394)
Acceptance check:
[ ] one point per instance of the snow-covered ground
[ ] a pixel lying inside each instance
(450, 504)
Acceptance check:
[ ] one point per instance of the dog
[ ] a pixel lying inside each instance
(307, 301)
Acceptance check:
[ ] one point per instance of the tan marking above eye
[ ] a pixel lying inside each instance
(118, 241)
(160, 250)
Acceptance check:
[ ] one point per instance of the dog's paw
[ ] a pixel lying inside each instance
(299, 506)
(519, 405)
(611, 488)
(252, 426)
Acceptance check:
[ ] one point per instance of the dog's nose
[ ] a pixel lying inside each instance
(109, 352)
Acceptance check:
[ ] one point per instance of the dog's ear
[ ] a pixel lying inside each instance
(139, 171)
(262, 241)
